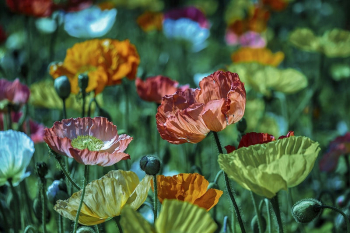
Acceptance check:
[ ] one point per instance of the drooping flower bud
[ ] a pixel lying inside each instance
(150, 164)
(85, 229)
(83, 81)
(62, 87)
(255, 226)
(242, 125)
(42, 169)
(306, 210)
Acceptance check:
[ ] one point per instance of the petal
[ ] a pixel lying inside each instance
(212, 115)
(103, 159)
(253, 138)
(57, 144)
(209, 199)
(131, 222)
(192, 218)
(140, 193)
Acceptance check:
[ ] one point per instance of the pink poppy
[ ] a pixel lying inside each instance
(253, 138)
(14, 92)
(90, 141)
(154, 88)
(188, 116)
(249, 39)
(188, 12)
(338, 147)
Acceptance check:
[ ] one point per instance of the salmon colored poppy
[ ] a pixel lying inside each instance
(105, 61)
(253, 138)
(90, 141)
(188, 116)
(260, 55)
(188, 187)
(13, 92)
(150, 21)
(154, 88)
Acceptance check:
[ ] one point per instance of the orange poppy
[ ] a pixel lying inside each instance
(105, 61)
(150, 21)
(276, 5)
(260, 55)
(188, 187)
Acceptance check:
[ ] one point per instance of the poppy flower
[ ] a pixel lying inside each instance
(338, 147)
(16, 151)
(150, 21)
(188, 116)
(248, 39)
(3, 35)
(106, 197)
(253, 138)
(105, 61)
(188, 187)
(154, 88)
(260, 55)
(276, 5)
(269, 167)
(175, 216)
(36, 130)
(13, 92)
(90, 141)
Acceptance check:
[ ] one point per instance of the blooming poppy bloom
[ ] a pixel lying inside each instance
(188, 187)
(90, 141)
(105, 61)
(150, 21)
(154, 88)
(260, 55)
(269, 167)
(253, 138)
(338, 147)
(106, 197)
(36, 130)
(16, 151)
(13, 92)
(192, 219)
(188, 116)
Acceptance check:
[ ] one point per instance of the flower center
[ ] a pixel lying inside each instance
(89, 142)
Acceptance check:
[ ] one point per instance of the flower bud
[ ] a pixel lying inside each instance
(85, 229)
(62, 87)
(242, 125)
(150, 164)
(306, 210)
(42, 169)
(83, 81)
(255, 226)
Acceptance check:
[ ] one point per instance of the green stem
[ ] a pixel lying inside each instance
(276, 208)
(30, 227)
(340, 212)
(16, 203)
(9, 110)
(4, 217)
(269, 222)
(90, 105)
(228, 187)
(43, 205)
(60, 224)
(97, 229)
(64, 110)
(217, 177)
(86, 172)
(155, 207)
(5, 121)
(84, 99)
(63, 169)
(257, 212)
(117, 221)
(24, 190)
(126, 94)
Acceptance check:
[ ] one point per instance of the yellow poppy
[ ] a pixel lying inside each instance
(333, 43)
(263, 79)
(105, 198)
(189, 187)
(150, 21)
(260, 55)
(105, 61)
(175, 217)
(267, 168)
(43, 95)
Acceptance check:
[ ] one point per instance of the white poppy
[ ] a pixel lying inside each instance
(16, 151)
(89, 23)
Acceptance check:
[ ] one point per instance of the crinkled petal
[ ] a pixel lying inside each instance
(131, 222)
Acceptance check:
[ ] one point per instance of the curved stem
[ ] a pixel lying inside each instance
(30, 227)
(16, 203)
(218, 176)
(63, 169)
(257, 212)
(86, 172)
(268, 215)
(90, 104)
(276, 208)
(340, 212)
(43, 205)
(228, 187)
(64, 110)
(155, 209)
(117, 221)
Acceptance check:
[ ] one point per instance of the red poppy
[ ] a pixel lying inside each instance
(338, 147)
(187, 116)
(13, 92)
(253, 138)
(154, 88)
(90, 141)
